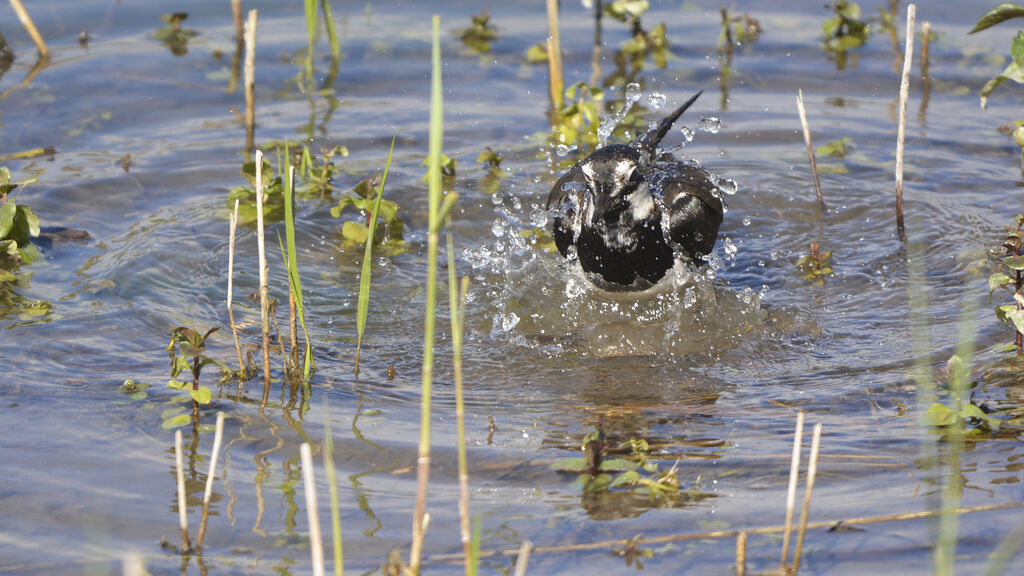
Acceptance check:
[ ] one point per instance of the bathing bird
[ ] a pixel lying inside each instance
(626, 212)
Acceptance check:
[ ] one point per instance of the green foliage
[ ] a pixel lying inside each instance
(173, 35)
(479, 34)
(956, 412)
(845, 30)
(134, 390)
(273, 190)
(18, 224)
(816, 265)
(1009, 259)
(624, 10)
(635, 473)
(1015, 69)
(538, 53)
(653, 43)
(358, 231)
(835, 148)
(578, 121)
(318, 176)
(187, 350)
(740, 30)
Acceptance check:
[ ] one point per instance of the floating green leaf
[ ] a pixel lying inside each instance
(997, 281)
(202, 395)
(176, 422)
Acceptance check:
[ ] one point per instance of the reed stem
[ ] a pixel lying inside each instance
(30, 27)
(233, 227)
(236, 12)
(901, 133)
(250, 81)
(555, 57)
(812, 471)
(794, 471)
(264, 296)
(218, 436)
(179, 465)
(810, 147)
(457, 308)
(316, 544)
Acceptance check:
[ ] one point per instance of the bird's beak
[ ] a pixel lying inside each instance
(602, 203)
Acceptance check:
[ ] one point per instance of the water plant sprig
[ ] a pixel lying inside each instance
(187, 349)
(294, 280)
(18, 223)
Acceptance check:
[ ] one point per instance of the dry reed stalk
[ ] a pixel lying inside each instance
(810, 147)
(523, 559)
(26, 21)
(555, 56)
(179, 465)
(316, 544)
(236, 11)
(250, 81)
(218, 436)
(621, 542)
(902, 130)
(741, 554)
(233, 227)
(926, 32)
(794, 471)
(264, 296)
(812, 470)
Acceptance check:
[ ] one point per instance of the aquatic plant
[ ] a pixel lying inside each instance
(18, 225)
(479, 34)
(737, 30)
(273, 191)
(318, 177)
(295, 306)
(816, 265)
(578, 121)
(373, 208)
(187, 350)
(1015, 69)
(845, 30)
(1009, 258)
(173, 35)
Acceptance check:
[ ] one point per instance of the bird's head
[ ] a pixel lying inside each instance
(613, 175)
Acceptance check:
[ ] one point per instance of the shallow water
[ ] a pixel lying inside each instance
(709, 367)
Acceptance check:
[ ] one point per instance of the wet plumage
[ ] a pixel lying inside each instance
(628, 211)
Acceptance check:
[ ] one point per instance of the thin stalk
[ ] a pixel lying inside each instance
(291, 262)
(1004, 552)
(363, 306)
(523, 559)
(457, 311)
(236, 12)
(794, 471)
(264, 296)
(810, 147)
(901, 133)
(812, 471)
(218, 436)
(316, 544)
(250, 81)
(30, 27)
(741, 554)
(310, 6)
(332, 484)
(434, 202)
(332, 34)
(555, 57)
(179, 464)
(233, 227)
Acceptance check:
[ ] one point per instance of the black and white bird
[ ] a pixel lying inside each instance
(628, 211)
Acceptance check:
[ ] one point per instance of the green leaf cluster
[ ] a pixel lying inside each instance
(187, 350)
(479, 34)
(816, 265)
(367, 198)
(318, 177)
(1015, 69)
(635, 473)
(845, 30)
(579, 119)
(273, 190)
(18, 224)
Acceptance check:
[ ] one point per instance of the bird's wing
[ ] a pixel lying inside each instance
(694, 210)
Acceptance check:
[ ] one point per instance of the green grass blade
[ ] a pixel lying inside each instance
(457, 311)
(364, 276)
(332, 34)
(434, 204)
(291, 260)
(310, 6)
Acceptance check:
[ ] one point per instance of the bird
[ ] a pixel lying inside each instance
(626, 212)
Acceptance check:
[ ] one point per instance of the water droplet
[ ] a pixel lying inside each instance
(730, 248)
(633, 92)
(562, 150)
(498, 228)
(656, 100)
(497, 198)
(689, 297)
(709, 124)
(687, 134)
(538, 217)
(728, 186)
(509, 322)
(746, 221)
